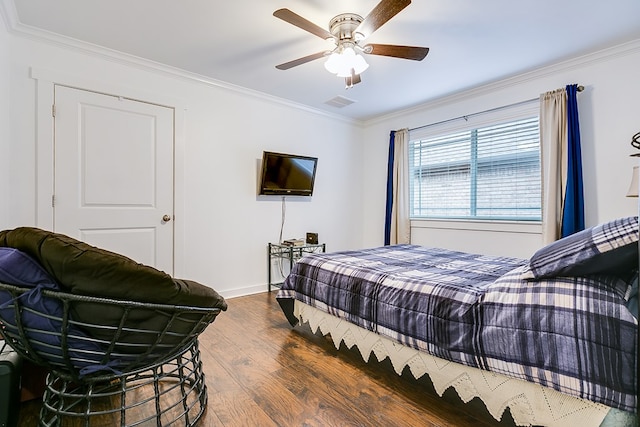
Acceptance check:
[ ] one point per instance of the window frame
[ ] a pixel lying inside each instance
(468, 123)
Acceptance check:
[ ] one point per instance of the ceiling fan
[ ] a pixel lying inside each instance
(347, 32)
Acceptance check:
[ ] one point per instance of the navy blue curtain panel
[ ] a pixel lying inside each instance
(573, 209)
(389, 204)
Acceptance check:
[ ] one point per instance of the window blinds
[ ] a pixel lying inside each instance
(486, 172)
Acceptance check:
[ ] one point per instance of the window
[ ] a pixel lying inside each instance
(491, 171)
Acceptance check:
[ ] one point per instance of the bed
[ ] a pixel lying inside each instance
(553, 338)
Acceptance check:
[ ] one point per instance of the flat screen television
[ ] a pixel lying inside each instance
(287, 174)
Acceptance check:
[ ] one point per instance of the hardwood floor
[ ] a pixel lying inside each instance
(262, 372)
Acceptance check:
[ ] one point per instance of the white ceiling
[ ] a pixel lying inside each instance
(472, 42)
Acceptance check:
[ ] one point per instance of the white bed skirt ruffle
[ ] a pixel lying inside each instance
(529, 403)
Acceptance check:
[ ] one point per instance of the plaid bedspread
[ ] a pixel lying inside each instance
(573, 334)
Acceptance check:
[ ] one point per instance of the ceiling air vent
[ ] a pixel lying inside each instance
(339, 102)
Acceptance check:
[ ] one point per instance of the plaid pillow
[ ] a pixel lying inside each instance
(609, 248)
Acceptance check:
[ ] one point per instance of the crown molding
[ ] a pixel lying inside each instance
(16, 28)
(603, 55)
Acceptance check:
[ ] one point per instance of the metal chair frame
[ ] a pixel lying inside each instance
(161, 383)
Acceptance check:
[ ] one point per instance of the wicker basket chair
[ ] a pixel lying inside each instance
(140, 376)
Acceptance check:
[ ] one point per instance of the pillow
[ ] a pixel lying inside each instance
(43, 315)
(609, 248)
(83, 269)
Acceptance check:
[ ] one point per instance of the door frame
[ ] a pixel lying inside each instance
(46, 80)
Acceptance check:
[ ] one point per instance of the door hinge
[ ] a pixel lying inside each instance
(53, 110)
(53, 200)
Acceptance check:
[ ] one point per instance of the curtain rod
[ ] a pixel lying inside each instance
(466, 116)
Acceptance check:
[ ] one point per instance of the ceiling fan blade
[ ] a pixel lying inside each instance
(297, 20)
(384, 11)
(406, 52)
(353, 79)
(301, 61)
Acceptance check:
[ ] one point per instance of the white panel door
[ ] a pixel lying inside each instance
(113, 175)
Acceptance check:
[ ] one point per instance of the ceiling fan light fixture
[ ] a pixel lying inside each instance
(342, 63)
(344, 37)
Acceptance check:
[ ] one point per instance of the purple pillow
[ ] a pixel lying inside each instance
(19, 269)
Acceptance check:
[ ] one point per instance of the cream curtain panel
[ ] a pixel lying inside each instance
(553, 147)
(400, 224)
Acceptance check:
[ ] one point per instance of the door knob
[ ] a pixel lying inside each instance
(166, 218)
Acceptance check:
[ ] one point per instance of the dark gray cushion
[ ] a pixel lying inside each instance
(82, 269)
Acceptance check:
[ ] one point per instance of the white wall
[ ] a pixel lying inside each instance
(225, 226)
(4, 128)
(609, 116)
